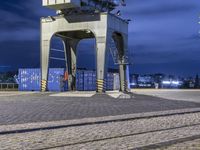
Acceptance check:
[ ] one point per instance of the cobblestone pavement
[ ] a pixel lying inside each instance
(149, 133)
(38, 107)
(100, 122)
(189, 145)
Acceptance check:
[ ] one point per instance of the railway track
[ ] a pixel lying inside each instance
(130, 133)
(97, 122)
(150, 146)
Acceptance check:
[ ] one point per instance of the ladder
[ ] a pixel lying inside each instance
(115, 54)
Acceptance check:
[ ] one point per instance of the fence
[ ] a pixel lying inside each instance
(8, 87)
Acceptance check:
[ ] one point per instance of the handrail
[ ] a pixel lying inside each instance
(8, 86)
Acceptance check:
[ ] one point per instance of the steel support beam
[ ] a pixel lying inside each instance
(70, 48)
(123, 65)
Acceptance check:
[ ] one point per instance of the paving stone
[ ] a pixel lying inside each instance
(114, 135)
(36, 108)
(40, 107)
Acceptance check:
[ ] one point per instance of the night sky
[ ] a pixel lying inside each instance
(163, 36)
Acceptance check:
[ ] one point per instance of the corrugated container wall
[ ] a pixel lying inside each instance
(30, 79)
(80, 80)
(109, 81)
(86, 81)
(89, 80)
(56, 80)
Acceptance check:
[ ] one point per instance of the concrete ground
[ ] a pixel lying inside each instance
(186, 95)
(77, 121)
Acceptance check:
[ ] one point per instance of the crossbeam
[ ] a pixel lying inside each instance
(55, 58)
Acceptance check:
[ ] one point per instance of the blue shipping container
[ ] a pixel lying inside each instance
(109, 81)
(30, 80)
(86, 81)
(80, 80)
(89, 80)
(56, 80)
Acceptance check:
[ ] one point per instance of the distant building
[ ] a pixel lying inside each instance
(172, 84)
(158, 81)
(188, 83)
(134, 80)
(146, 81)
(197, 81)
(158, 78)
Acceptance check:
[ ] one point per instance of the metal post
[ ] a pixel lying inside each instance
(122, 74)
(71, 62)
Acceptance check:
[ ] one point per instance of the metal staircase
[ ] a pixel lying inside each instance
(115, 54)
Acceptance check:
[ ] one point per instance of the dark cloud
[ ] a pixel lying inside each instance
(163, 35)
(20, 20)
(148, 8)
(164, 32)
(20, 54)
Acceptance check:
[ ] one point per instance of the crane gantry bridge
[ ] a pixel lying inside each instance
(83, 19)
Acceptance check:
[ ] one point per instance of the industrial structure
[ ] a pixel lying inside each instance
(83, 19)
